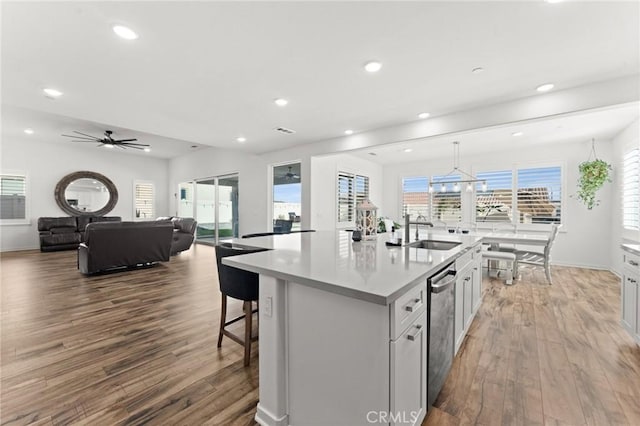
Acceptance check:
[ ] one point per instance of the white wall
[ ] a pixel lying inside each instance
(47, 163)
(324, 172)
(585, 235)
(622, 143)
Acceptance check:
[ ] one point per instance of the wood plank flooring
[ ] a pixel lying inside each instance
(139, 347)
(539, 354)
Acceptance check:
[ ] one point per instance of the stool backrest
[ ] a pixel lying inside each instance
(234, 282)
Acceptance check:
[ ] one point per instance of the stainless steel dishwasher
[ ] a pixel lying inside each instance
(441, 336)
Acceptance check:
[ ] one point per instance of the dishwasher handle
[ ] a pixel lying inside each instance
(440, 282)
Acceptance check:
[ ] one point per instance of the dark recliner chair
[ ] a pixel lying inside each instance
(65, 233)
(184, 229)
(58, 233)
(241, 285)
(113, 245)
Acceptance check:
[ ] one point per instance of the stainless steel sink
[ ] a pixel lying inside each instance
(434, 245)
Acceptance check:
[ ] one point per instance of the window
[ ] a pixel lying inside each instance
(446, 205)
(415, 196)
(631, 190)
(539, 196)
(13, 193)
(495, 203)
(352, 189)
(144, 201)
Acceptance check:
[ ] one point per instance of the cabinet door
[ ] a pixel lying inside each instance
(629, 302)
(409, 374)
(458, 323)
(477, 284)
(468, 299)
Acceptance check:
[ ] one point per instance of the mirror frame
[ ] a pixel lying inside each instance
(61, 187)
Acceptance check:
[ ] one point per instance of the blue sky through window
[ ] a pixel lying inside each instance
(289, 193)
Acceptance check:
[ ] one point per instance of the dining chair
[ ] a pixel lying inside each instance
(237, 284)
(535, 258)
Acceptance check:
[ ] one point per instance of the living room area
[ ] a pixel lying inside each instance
(138, 136)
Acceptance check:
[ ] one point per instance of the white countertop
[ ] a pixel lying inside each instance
(331, 261)
(631, 248)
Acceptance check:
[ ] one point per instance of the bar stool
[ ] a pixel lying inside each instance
(241, 285)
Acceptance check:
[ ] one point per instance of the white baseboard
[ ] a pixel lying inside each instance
(265, 418)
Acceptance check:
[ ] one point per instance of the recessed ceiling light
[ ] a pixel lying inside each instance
(241, 139)
(54, 93)
(424, 115)
(281, 102)
(407, 150)
(545, 87)
(372, 66)
(348, 132)
(477, 70)
(516, 134)
(125, 32)
(28, 131)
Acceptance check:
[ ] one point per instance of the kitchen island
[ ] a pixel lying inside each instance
(344, 325)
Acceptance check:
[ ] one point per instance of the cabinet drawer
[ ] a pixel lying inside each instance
(631, 261)
(407, 308)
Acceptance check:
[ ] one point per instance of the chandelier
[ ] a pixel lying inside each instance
(468, 179)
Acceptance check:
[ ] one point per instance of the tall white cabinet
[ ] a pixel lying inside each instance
(630, 289)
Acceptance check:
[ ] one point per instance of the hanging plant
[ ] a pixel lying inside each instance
(593, 174)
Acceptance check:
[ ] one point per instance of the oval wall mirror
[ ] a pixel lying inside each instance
(86, 193)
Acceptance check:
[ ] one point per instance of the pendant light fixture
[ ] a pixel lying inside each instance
(467, 178)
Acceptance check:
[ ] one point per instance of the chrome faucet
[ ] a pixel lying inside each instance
(417, 222)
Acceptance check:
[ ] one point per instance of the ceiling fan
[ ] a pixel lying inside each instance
(290, 175)
(107, 141)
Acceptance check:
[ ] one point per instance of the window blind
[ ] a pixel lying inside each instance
(352, 189)
(445, 205)
(539, 195)
(346, 198)
(496, 203)
(144, 201)
(415, 196)
(13, 192)
(631, 190)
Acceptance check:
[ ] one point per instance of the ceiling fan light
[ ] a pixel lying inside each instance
(147, 149)
(109, 145)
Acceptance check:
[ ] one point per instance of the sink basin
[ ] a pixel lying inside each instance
(433, 244)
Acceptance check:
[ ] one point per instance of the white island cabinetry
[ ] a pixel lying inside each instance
(343, 328)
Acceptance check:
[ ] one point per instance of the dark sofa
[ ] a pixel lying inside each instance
(65, 233)
(184, 229)
(109, 246)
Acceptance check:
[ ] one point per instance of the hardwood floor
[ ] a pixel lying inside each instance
(540, 354)
(139, 347)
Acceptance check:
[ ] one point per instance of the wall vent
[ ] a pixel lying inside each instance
(284, 130)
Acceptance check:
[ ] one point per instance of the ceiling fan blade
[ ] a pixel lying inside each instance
(80, 137)
(125, 140)
(131, 146)
(120, 146)
(84, 141)
(84, 134)
(136, 144)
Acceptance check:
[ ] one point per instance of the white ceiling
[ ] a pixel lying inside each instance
(601, 126)
(207, 72)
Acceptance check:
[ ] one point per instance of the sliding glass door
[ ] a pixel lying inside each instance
(213, 202)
